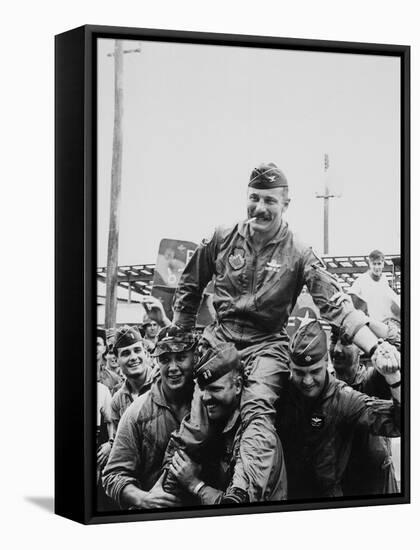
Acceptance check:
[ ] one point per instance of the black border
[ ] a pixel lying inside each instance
(75, 265)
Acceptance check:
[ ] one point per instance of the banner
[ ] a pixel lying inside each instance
(173, 255)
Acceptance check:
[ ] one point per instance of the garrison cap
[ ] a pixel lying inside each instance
(308, 345)
(267, 176)
(215, 363)
(174, 339)
(126, 336)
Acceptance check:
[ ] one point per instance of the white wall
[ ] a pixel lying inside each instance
(27, 227)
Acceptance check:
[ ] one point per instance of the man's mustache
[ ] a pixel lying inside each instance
(261, 217)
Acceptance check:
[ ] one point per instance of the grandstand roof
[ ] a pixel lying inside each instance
(133, 278)
(139, 278)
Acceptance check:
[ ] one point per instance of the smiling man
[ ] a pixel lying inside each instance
(135, 365)
(318, 415)
(259, 269)
(132, 477)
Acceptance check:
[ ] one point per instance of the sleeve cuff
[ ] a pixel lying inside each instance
(353, 322)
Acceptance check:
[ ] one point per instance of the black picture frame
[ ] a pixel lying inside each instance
(75, 266)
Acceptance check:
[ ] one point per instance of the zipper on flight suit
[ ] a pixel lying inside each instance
(254, 265)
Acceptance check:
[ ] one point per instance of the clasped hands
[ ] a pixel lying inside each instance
(185, 470)
(386, 358)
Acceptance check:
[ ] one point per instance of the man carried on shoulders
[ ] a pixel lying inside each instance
(259, 269)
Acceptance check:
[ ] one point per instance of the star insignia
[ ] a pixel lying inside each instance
(306, 320)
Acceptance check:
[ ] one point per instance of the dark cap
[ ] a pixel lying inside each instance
(267, 176)
(308, 345)
(174, 339)
(215, 363)
(126, 336)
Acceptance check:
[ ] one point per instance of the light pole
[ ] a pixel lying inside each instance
(326, 196)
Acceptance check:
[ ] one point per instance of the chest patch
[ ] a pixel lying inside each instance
(317, 421)
(237, 258)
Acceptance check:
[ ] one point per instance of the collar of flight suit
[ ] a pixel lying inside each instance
(157, 395)
(243, 230)
(232, 422)
(326, 392)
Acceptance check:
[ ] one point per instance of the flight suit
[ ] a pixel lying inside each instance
(317, 435)
(254, 295)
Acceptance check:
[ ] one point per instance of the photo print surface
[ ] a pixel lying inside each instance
(248, 275)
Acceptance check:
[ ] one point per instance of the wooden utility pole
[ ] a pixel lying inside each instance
(114, 217)
(326, 196)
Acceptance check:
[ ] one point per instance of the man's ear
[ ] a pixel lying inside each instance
(286, 203)
(239, 382)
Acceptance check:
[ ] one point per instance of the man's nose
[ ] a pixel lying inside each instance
(172, 364)
(307, 379)
(261, 206)
(338, 348)
(205, 396)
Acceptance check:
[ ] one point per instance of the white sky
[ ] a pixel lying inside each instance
(198, 118)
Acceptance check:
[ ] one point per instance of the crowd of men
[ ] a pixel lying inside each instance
(238, 412)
